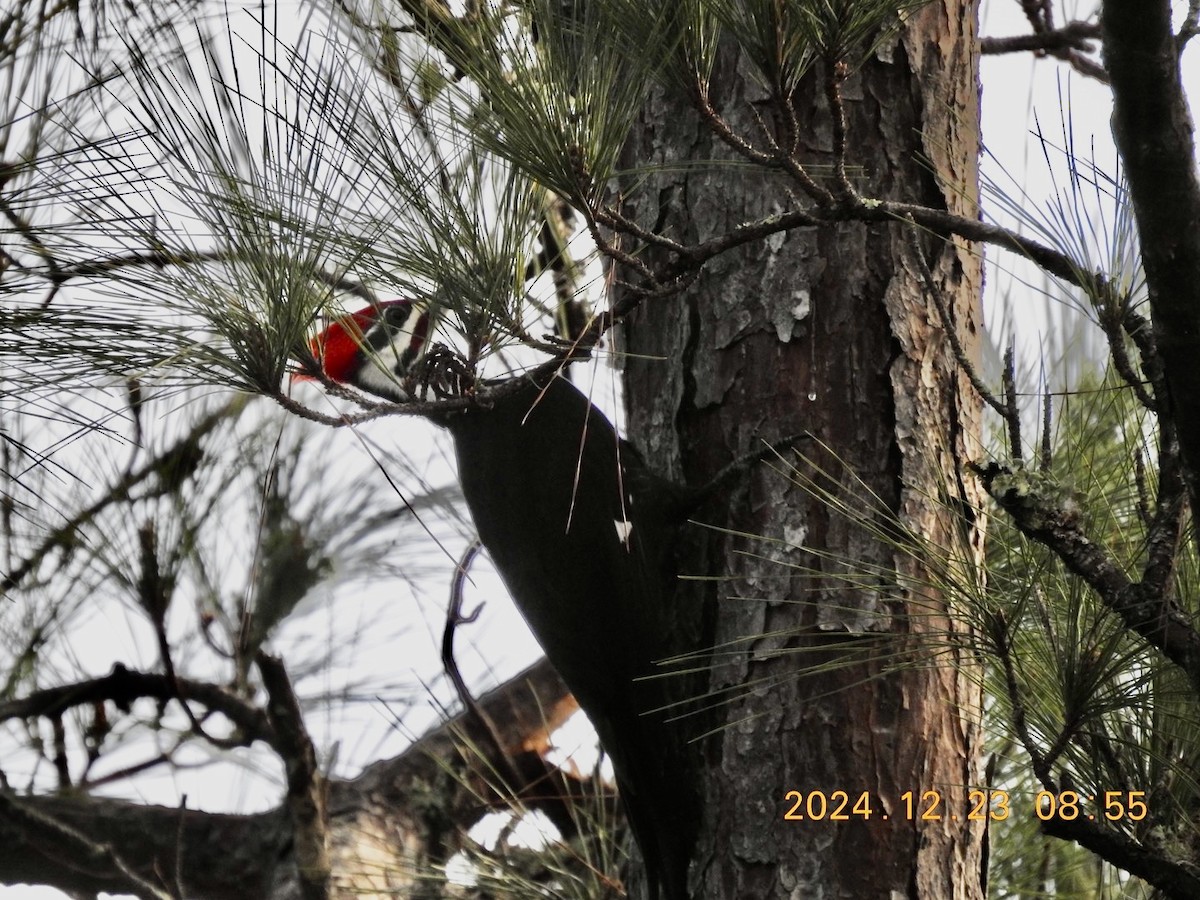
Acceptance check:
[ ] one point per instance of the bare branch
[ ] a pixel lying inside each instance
(834, 76)
(222, 857)
(1001, 641)
(1073, 36)
(1190, 26)
(122, 686)
(455, 618)
(1143, 608)
(229, 857)
(1071, 43)
(1114, 331)
(778, 157)
(1162, 537)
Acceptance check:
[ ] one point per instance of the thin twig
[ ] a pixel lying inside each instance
(182, 454)
(1141, 332)
(474, 712)
(750, 232)
(127, 772)
(1111, 319)
(1162, 537)
(778, 158)
(1000, 638)
(1189, 28)
(834, 76)
(722, 130)
(154, 596)
(784, 98)
(613, 219)
(1047, 416)
(611, 250)
(1012, 413)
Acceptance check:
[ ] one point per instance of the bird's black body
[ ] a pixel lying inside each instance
(582, 534)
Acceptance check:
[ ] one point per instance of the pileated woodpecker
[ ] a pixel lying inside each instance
(582, 534)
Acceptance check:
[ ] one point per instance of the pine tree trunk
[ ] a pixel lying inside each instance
(827, 330)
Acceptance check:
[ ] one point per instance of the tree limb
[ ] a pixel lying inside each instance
(1152, 127)
(306, 799)
(222, 857)
(122, 686)
(1157, 869)
(229, 857)
(1070, 43)
(75, 850)
(1072, 36)
(1144, 610)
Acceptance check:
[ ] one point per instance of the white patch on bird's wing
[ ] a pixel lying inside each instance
(624, 530)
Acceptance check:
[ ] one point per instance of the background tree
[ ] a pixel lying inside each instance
(776, 208)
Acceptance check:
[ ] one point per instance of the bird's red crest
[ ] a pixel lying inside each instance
(342, 348)
(338, 349)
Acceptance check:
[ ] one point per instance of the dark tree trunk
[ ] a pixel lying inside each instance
(826, 330)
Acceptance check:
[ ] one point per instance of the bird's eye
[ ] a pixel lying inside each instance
(400, 329)
(384, 330)
(396, 315)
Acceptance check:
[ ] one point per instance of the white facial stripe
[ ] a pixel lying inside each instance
(391, 348)
(374, 379)
(395, 340)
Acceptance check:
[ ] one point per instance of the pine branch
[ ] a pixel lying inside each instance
(1157, 869)
(170, 466)
(1142, 606)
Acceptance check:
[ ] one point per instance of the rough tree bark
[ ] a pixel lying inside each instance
(827, 330)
